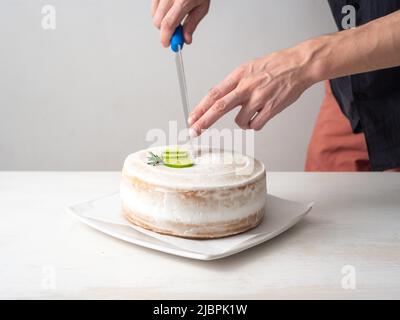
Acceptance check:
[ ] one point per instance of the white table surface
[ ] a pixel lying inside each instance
(47, 253)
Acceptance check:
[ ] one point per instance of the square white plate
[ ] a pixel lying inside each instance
(104, 214)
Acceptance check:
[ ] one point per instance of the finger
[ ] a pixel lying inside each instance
(171, 20)
(262, 117)
(217, 110)
(192, 21)
(220, 90)
(154, 5)
(245, 115)
(162, 9)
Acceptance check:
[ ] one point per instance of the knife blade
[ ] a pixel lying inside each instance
(182, 84)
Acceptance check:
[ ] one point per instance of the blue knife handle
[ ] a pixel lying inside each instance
(177, 39)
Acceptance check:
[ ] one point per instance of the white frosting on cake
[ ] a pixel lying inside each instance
(221, 187)
(213, 169)
(219, 207)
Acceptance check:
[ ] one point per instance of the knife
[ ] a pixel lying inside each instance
(177, 42)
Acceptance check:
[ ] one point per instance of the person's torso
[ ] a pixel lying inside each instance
(371, 100)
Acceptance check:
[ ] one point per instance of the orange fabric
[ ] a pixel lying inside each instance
(333, 145)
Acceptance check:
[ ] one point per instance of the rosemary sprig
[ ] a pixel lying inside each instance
(154, 159)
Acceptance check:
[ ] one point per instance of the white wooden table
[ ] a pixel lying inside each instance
(46, 253)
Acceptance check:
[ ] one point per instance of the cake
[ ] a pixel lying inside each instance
(223, 193)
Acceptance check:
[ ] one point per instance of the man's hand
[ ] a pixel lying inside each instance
(262, 87)
(168, 14)
(266, 86)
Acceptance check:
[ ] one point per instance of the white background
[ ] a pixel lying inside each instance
(83, 96)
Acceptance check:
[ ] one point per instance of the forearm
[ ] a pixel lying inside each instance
(374, 46)
(265, 86)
